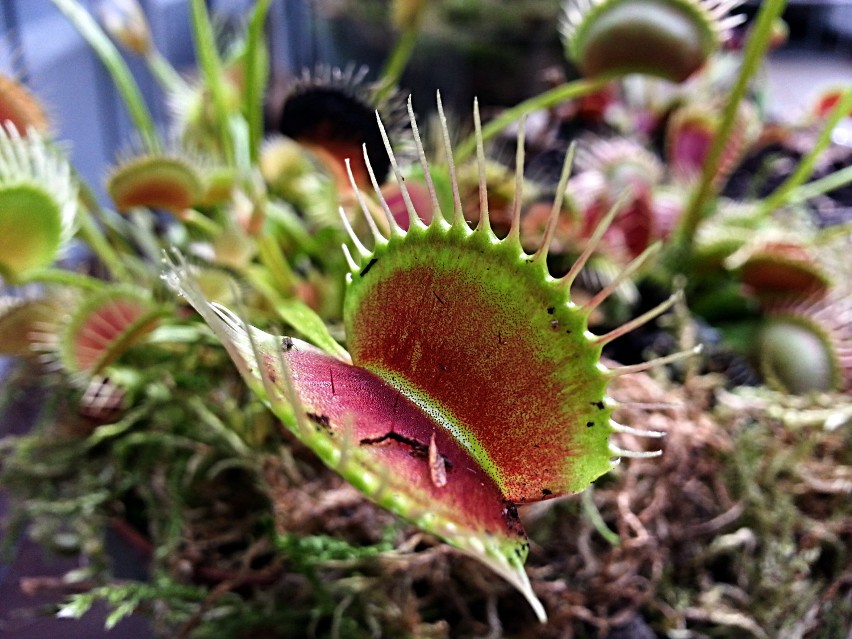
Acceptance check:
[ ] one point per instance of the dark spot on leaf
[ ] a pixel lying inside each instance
(513, 521)
(286, 343)
(367, 268)
(589, 424)
(551, 310)
(599, 404)
(546, 492)
(443, 367)
(438, 297)
(567, 331)
(418, 448)
(322, 421)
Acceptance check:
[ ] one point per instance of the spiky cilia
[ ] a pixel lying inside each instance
(472, 383)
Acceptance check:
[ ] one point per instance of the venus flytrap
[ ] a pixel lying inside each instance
(471, 383)
(38, 203)
(671, 39)
(444, 363)
(20, 107)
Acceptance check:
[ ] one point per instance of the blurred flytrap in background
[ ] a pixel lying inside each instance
(656, 253)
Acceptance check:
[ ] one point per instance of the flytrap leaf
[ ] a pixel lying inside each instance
(38, 201)
(103, 327)
(168, 183)
(474, 384)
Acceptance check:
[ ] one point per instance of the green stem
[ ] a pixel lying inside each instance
(61, 276)
(752, 58)
(257, 69)
(557, 95)
(594, 516)
(398, 59)
(241, 137)
(164, 72)
(273, 259)
(827, 184)
(803, 171)
(91, 233)
(191, 217)
(114, 63)
(211, 71)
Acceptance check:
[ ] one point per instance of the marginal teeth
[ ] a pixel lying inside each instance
(348, 255)
(515, 228)
(394, 227)
(657, 362)
(553, 220)
(639, 432)
(484, 224)
(424, 164)
(625, 273)
(458, 214)
(636, 322)
(358, 245)
(377, 236)
(568, 279)
(634, 454)
(413, 218)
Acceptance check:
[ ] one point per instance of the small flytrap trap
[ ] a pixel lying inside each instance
(470, 383)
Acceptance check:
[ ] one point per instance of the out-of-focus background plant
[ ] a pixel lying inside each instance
(146, 442)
